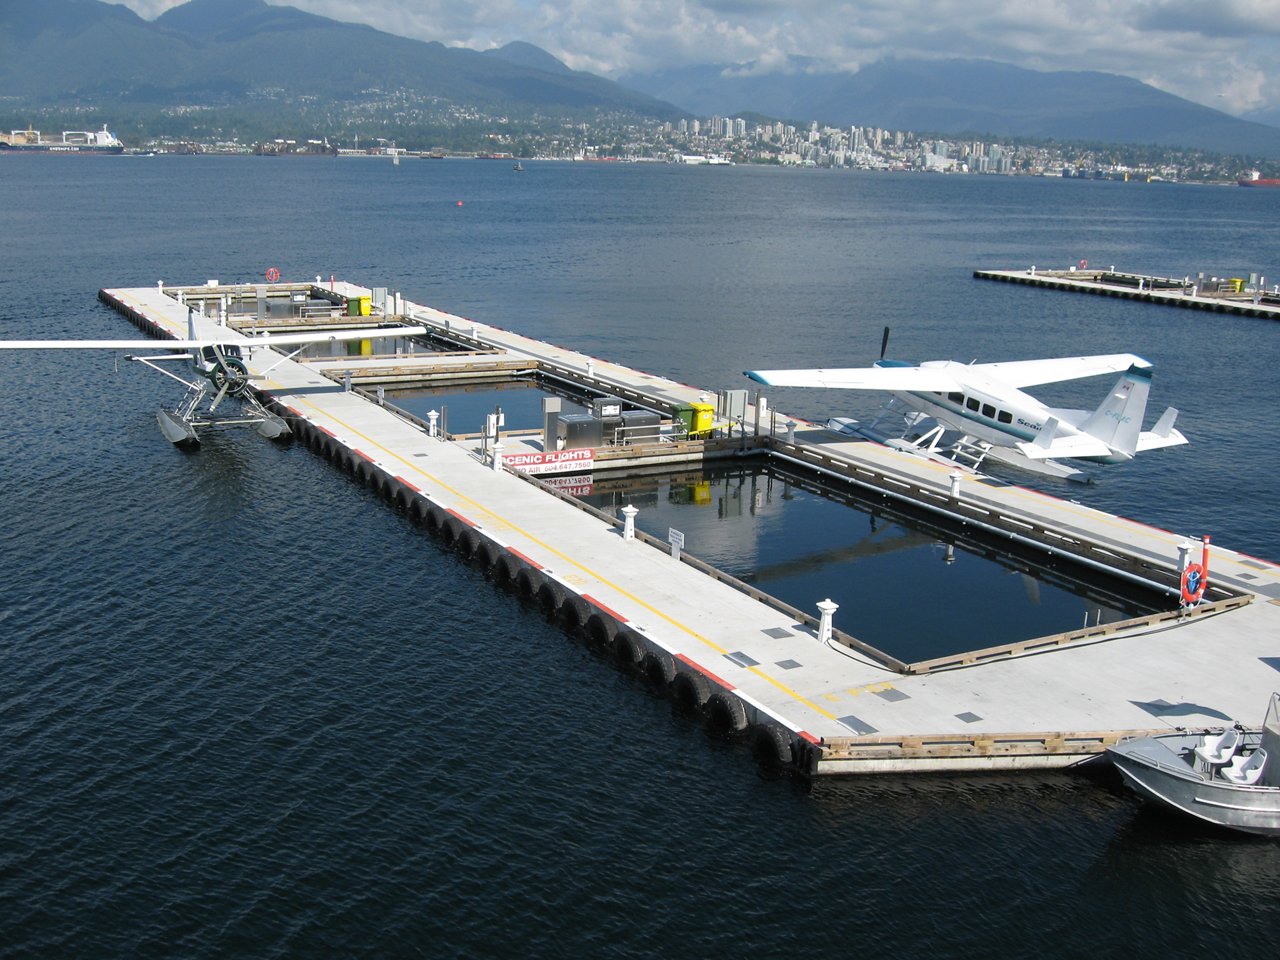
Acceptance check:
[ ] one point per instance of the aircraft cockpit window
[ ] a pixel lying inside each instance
(956, 397)
(208, 354)
(1005, 417)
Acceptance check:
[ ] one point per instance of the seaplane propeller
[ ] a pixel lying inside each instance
(229, 375)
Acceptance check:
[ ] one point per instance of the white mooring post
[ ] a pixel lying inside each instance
(497, 456)
(827, 609)
(1184, 555)
(346, 382)
(955, 479)
(432, 417)
(591, 367)
(629, 522)
(382, 396)
(160, 286)
(791, 431)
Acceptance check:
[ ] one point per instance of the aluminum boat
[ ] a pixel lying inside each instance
(1228, 777)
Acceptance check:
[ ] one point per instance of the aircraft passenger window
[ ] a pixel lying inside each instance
(1005, 417)
(956, 398)
(988, 411)
(972, 404)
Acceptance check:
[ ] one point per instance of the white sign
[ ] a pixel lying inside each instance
(552, 461)
(676, 539)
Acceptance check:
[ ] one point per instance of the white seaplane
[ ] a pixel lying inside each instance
(220, 371)
(986, 406)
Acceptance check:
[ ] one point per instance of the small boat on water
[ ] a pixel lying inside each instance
(1230, 777)
(518, 166)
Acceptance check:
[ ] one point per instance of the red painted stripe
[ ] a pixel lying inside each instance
(365, 456)
(411, 486)
(533, 563)
(326, 430)
(810, 737)
(292, 410)
(469, 523)
(596, 603)
(705, 672)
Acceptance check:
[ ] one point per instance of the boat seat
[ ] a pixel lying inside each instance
(1246, 770)
(1219, 749)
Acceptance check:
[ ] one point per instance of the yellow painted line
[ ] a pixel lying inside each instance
(552, 550)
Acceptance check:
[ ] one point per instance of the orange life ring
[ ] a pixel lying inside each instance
(273, 275)
(1194, 580)
(1084, 264)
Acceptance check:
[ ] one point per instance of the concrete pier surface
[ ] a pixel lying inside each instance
(1248, 297)
(804, 689)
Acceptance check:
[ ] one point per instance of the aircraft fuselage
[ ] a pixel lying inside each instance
(994, 412)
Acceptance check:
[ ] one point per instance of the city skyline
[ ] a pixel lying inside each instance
(1221, 57)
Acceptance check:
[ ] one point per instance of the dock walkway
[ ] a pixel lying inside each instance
(1218, 296)
(831, 709)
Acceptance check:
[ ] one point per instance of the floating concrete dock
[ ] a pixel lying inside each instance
(806, 691)
(1248, 297)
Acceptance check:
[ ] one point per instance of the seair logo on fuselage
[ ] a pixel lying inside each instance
(1028, 424)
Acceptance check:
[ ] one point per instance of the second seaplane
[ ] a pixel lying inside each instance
(964, 412)
(218, 370)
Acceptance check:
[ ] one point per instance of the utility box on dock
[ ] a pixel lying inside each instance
(579, 431)
(731, 404)
(605, 407)
(639, 426)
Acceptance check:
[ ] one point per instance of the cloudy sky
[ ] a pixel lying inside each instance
(1222, 53)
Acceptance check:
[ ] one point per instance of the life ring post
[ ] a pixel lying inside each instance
(1195, 577)
(272, 275)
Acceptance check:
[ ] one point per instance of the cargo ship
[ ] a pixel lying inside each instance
(72, 141)
(1254, 179)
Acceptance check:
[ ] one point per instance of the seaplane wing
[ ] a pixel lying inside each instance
(908, 378)
(1028, 373)
(264, 340)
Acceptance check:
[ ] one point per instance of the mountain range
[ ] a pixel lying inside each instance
(238, 51)
(965, 96)
(246, 57)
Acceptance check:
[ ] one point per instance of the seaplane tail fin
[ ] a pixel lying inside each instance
(1118, 420)
(1162, 434)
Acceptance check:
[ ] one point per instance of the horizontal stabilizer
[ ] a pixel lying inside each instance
(1163, 433)
(1080, 446)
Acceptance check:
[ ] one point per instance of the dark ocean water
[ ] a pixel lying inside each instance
(248, 710)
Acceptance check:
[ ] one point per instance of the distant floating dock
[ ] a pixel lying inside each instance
(802, 687)
(1245, 296)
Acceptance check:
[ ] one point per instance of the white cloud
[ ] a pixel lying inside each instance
(1221, 54)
